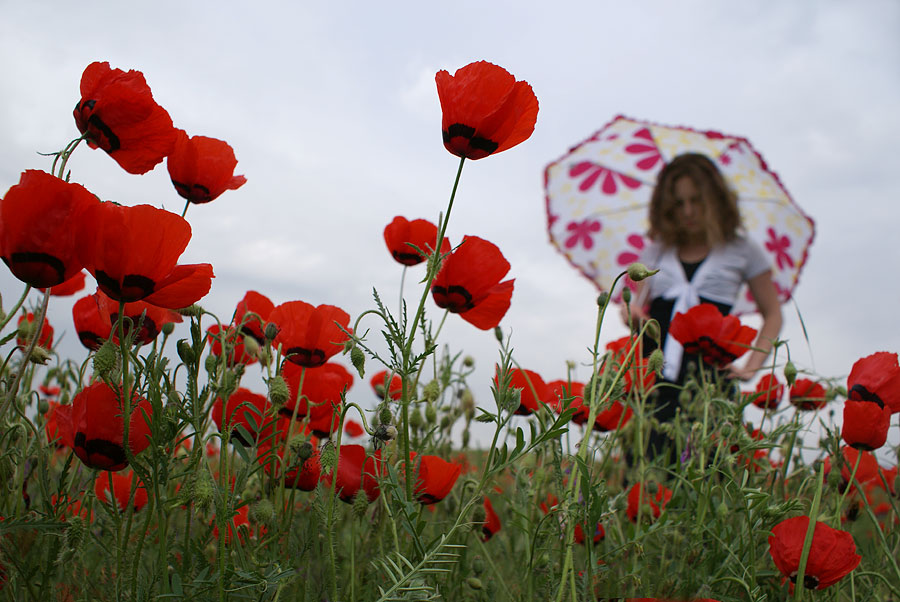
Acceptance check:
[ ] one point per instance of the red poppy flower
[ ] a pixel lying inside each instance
(867, 470)
(718, 339)
(410, 241)
(865, 425)
(599, 534)
(299, 474)
(93, 328)
(58, 425)
(132, 253)
(560, 390)
(27, 332)
(808, 395)
(768, 392)
(49, 390)
(436, 478)
(656, 501)
(357, 470)
(247, 409)
(320, 395)
(122, 484)
(876, 378)
(353, 429)
(615, 416)
(147, 319)
(379, 384)
(532, 388)
(832, 554)
(485, 110)
(71, 286)
(234, 342)
(98, 428)
(469, 284)
(202, 168)
(251, 315)
(118, 114)
(491, 520)
(37, 239)
(309, 335)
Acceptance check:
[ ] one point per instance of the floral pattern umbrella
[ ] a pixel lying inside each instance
(597, 197)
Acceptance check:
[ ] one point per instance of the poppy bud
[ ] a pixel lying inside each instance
(656, 361)
(185, 351)
(106, 358)
(415, 418)
(251, 346)
(191, 311)
(43, 406)
(638, 271)
(430, 413)
(626, 295)
(168, 328)
(498, 334)
(271, 331)
(358, 359)
(602, 298)
(790, 373)
(465, 438)
(384, 415)
(360, 503)
(446, 421)
(212, 362)
(261, 512)
(432, 391)
(203, 490)
(39, 355)
(474, 583)
(386, 432)
(478, 515)
(279, 393)
(468, 361)
(327, 457)
(304, 451)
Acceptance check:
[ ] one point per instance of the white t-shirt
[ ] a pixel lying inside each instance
(719, 277)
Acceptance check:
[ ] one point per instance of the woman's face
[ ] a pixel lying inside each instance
(690, 211)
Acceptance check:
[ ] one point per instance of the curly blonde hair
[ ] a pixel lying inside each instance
(722, 218)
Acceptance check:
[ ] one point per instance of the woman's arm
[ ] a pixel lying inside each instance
(763, 290)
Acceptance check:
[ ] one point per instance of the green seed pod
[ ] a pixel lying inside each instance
(358, 359)
(478, 565)
(279, 393)
(432, 391)
(185, 351)
(474, 583)
(168, 328)
(430, 413)
(790, 373)
(638, 271)
(626, 295)
(602, 298)
(106, 358)
(261, 512)
(468, 361)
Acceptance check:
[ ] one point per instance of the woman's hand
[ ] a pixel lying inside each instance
(741, 373)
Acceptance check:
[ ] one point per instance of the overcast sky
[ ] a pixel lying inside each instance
(332, 111)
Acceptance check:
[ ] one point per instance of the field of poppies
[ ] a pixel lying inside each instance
(156, 469)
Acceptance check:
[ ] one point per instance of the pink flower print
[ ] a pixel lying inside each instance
(647, 148)
(582, 231)
(608, 179)
(779, 246)
(636, 241)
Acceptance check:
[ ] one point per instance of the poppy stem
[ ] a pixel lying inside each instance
(186, 205)
(810, 530)
(15, 308)
(39, 320)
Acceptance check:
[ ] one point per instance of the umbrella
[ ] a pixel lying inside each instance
(597, 197)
